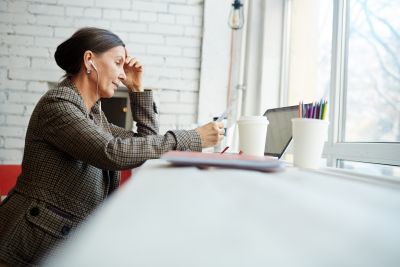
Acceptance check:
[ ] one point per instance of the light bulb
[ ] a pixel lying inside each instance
(236, 17)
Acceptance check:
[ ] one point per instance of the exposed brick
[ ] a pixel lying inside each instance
(44, 63)
(12, 85)
(14, 143)
(3, 6)
(10, 156)
(150, 6)
(164, 50)
(46, 9)
(186, 120)
(184, 20)
(185, 10)
(29, 51)
(84, 22)
(147, 16)
(166, 29)
(86, 3)
(168, 96)
(3, 97)
(183, 41)
(17, 6)
(17, 120)
(183, 62)
(11, 131)
(191, 52)
(194, 31)
(34, 30)
(168, 119)
(111, 14)
(53, 20)
(129, 15)
(23, 97)
(19, 62)
(166, 18)
(64, 32)
(48, 42)
(4, 60)
(6, 28)
(16, 39)
(128, 26)
(35, 75)
(74, 11)
(122, 4)
(145, 38)
(188, 97)
(92, 12)
(178, 108)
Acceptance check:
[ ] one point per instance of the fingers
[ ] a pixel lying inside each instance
(133, 62)
(211, 133)
(217, 125)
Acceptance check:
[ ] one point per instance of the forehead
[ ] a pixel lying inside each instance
(117, 51)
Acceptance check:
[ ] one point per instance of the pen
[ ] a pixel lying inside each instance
(225, 149)
(224, 114)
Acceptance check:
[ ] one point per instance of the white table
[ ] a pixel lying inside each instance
(169, 216)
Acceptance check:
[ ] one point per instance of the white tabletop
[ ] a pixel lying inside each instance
(169, 216)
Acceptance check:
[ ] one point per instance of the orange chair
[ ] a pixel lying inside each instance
(8, 178)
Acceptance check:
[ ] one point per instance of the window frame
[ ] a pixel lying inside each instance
(336, 149)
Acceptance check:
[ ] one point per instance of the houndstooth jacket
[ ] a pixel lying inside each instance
(71, 165)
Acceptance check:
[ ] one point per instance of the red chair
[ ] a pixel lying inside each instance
(9, 174)
(8, 178)
(125, 175)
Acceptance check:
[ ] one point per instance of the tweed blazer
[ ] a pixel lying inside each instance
(70, 165)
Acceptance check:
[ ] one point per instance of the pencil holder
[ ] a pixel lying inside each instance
(309, 136)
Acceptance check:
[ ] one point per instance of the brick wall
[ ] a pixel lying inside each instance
(166, 35)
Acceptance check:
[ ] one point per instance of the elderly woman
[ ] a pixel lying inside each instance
(72, 153)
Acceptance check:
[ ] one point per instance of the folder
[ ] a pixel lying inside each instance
(233, 161)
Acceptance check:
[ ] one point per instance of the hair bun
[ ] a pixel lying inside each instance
(69, 54)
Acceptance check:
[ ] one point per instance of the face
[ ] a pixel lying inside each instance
(110, 67)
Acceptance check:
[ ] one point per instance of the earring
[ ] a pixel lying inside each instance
(88, 71)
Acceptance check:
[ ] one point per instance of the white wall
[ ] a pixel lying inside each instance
(214, 77)
(165, 35)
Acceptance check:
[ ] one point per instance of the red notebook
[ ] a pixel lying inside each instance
(235, 161)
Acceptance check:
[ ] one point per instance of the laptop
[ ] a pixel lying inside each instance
(279, 132)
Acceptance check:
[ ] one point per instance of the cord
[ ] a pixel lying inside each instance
(98, 96)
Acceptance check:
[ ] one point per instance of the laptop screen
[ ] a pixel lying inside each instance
(279, 132)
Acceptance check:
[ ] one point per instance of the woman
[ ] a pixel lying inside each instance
(72, 153)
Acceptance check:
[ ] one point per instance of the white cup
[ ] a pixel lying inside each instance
(309, 136)
(252, 134)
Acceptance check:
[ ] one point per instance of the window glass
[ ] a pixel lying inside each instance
(372, 111)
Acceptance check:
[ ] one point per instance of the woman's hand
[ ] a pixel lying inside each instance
(211, 133)
(133, 71)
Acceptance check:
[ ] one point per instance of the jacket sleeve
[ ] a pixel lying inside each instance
(66, 127)
(144, 112)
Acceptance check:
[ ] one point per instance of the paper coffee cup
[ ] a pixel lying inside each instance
(309, 136)
(252, 134)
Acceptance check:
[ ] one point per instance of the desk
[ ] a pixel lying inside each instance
(169, 216)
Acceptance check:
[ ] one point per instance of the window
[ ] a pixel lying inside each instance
(371, 104)
(348, 52)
